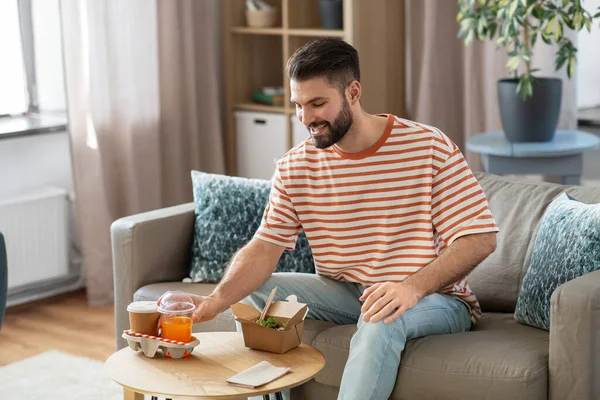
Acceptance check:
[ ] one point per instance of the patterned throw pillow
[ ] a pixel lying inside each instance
(228, 212)
(567, 246)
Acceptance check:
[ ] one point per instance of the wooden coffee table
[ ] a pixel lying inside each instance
(203, 374)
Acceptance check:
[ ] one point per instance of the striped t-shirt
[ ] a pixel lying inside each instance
(380, 214)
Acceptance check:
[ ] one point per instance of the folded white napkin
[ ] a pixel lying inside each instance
(258, 375)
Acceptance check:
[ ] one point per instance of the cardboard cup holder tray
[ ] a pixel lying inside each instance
(150, 344)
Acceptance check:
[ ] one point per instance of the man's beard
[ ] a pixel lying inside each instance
(336, 131)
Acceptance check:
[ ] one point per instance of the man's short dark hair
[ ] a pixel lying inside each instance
(331, 58)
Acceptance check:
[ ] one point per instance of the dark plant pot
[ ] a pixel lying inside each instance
(332, 14)
(534, 119)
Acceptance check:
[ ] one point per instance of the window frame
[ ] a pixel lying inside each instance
(33, 121)
(28, 46)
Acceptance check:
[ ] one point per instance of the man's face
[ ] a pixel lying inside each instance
(322, 109)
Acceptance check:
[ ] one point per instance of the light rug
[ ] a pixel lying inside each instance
(57, 375)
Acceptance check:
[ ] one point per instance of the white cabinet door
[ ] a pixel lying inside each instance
(299, 131)
(261, 141)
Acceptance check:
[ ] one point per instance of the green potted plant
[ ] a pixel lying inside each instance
(529, 105)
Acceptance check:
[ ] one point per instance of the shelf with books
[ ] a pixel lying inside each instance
(255, 57)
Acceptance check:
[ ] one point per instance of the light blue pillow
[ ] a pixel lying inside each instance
(567, 246)
(228, 211)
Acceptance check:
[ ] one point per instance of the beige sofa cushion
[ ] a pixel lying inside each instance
(588, 195)
(517, 207)
(499, 359)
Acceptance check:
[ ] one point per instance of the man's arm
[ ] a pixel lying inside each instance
(392, 299)
(250, 267)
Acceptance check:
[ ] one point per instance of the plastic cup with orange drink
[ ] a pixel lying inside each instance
(176, 309)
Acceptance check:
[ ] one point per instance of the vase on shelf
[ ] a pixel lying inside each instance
(332, 14)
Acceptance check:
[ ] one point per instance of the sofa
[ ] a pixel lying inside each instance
(499, 358)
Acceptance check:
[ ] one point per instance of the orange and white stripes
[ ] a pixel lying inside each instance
(381, 214)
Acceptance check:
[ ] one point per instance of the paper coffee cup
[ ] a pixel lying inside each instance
(143, 317)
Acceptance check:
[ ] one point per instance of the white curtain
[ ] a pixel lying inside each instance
(144, 109)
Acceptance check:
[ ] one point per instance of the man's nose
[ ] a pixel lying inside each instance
(307, 117)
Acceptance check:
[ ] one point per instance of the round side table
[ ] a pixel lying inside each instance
(203, 374)
(563, 156)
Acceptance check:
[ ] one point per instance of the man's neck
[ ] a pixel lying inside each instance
(365, 132)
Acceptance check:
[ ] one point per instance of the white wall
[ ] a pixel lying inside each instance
(588, 54)
(26, 164)
(29, 162)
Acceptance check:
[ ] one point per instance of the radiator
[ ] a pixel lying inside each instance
(36, 230)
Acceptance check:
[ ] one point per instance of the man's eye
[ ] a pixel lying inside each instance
(318, 105)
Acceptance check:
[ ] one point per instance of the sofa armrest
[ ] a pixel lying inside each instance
(148, 248)
(574, 359)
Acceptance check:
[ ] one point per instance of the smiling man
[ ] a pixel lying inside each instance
(393, 214)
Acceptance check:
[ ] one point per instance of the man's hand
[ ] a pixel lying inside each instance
(207, 308)
(383, 299)
(454, 263)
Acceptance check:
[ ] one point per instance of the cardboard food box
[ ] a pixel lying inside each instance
(259, 337)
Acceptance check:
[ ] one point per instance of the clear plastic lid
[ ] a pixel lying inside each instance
(176, 303)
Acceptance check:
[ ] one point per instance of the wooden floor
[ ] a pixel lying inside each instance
(65, 323)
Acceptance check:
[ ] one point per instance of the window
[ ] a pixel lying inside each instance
(13, 85)
(47, 48)
(31, 71)
(588, 58)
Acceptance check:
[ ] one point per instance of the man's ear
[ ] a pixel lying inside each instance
(353, 92)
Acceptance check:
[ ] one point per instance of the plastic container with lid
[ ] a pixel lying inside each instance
(176, 309)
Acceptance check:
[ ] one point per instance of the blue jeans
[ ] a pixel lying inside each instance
(375, 349)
